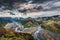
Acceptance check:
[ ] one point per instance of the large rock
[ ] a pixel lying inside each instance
(14, 26)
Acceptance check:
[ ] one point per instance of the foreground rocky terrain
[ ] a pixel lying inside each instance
(7, 34)
(41, 28)
(29, 34)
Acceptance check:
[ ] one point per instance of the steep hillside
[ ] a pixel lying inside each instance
(7, 34)
(52, 25)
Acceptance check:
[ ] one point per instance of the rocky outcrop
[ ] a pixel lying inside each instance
(14, 26)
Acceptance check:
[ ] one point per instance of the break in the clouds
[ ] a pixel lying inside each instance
(32, 8)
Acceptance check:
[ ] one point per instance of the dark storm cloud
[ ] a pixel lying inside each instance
(44, 5)
(40, 1)
(22, 1)
(9, 3)
(47, 5)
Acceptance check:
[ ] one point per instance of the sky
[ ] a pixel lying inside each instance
(29, 8)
